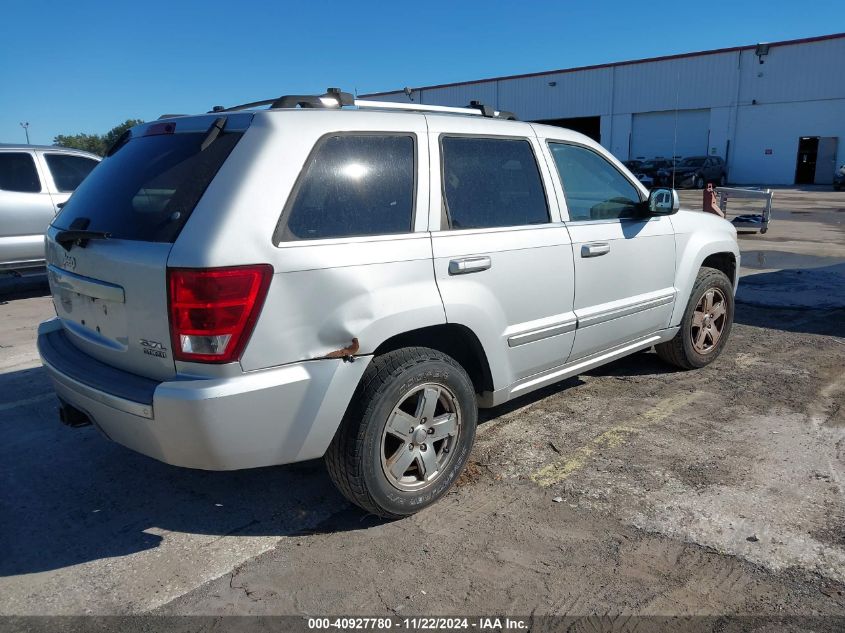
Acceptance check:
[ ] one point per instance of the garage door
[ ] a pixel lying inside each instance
(653, 134)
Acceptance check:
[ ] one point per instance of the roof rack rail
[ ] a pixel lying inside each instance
(475, 108)
(335, 98)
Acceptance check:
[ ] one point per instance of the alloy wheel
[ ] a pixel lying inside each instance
(708, 320)
(419, 437)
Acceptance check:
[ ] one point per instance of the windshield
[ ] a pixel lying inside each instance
(691, 162)
(149, 187)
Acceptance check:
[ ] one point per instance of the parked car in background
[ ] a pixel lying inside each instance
(249, 288)
(34, 182)
(635, 167)
(697, 171)
(658, 169)
(648, 181)
(839, 178)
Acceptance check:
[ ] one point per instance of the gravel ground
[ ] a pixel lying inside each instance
(633, 489)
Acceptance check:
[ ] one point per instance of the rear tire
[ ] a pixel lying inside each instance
(407, 434)
(699, 182)
(706, 324)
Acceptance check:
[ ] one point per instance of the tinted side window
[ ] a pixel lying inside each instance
(491, 182)
(355, 184)
(68, 171)
(18, 173)
(593, 187)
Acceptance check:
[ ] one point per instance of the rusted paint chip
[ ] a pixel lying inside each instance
(346, 353)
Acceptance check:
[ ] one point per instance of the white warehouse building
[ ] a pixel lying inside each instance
(775, 112)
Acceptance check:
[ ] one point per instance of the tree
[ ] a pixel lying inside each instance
(110, 137)
(95, 143)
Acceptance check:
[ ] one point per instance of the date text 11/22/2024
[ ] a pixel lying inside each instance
(418, 623)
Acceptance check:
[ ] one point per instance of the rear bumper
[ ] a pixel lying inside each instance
(273, 416)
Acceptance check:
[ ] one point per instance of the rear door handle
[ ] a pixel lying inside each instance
(595, 249)
(467, 265)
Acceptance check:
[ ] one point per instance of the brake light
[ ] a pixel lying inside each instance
(155, 129)
(213, 311)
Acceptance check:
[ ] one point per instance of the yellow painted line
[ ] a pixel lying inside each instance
(559, 470)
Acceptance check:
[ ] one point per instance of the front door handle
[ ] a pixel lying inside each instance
(595, 249)
(467, 265)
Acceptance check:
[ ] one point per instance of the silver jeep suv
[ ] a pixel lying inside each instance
(353, 279)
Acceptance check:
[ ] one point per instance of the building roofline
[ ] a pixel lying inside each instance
(715, 51)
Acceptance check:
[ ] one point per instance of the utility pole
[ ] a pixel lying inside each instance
(25, 127)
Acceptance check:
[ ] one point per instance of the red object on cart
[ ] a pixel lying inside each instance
(711, 202)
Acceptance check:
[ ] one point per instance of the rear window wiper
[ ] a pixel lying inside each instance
(214, 131)
(79, 237)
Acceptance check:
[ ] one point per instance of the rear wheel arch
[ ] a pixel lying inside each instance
(382, 465)
(452, 339)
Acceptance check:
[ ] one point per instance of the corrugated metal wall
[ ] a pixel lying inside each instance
(803, 72)
(687, 83)
(576, 94)
(753, 106)
(461, 95)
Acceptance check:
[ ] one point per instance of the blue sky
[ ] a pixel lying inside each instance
(87, 65)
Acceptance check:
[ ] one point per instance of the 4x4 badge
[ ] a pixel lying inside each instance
(69, 262)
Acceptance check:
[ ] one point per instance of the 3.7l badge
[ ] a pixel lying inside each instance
(153, 348)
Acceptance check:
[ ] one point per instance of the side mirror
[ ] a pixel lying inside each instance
(663, 202)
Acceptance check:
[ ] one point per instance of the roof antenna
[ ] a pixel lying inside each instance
(409, 93)
(675, 132)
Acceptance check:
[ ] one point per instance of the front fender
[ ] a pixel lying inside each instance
(698, 236)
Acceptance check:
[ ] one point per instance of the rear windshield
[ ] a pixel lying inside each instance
(148, 188)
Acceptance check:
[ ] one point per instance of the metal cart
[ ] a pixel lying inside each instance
(748, 221)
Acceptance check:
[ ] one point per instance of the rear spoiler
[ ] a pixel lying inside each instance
(179, 123)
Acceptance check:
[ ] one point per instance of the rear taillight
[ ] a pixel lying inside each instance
(213, 310)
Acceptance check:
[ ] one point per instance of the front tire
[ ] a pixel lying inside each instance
(706, 324)
(699, 182)
(407, 434)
